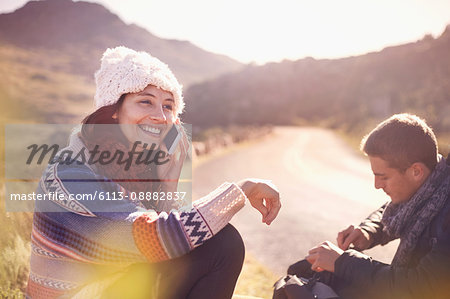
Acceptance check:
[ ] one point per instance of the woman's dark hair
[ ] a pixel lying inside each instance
(103, 116)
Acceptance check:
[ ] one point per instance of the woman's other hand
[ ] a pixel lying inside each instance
(169, 173)
(263, 196)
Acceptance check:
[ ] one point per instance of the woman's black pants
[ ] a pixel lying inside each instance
(209, 271)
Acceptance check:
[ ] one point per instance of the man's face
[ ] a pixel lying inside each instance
(399, 186)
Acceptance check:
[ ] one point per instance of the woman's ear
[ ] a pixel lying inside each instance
(114, 116)
(177, 121)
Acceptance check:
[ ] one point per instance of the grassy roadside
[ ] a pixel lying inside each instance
(255, 279)
(15, 227)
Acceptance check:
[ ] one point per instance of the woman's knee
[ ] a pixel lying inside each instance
(231, 244)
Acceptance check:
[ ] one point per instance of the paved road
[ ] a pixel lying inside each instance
(324, 184)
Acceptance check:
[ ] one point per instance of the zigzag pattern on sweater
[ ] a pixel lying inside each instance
(40, 251)
(51, 283)
(76, 242)
(196, 228)
(52, 183)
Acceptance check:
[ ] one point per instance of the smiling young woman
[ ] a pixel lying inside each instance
(129, 248)
(152, 111)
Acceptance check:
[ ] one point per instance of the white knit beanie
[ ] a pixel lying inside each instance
(124, 70)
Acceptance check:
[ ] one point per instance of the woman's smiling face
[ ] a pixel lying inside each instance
(147, 115)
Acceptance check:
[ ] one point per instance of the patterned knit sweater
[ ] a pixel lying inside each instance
(77, 242)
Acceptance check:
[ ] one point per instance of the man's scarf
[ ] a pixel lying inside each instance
(408, 220)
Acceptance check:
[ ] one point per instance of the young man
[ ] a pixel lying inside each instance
(405, 162)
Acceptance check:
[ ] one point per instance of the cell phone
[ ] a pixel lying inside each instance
(172, 138)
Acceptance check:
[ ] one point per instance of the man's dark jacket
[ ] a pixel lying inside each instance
(427, 276)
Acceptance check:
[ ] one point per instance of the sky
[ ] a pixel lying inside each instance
(260, 31)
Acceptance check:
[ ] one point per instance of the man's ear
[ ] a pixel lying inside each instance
(418, 171)
(114, 116)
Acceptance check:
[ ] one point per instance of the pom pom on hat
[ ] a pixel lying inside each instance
(124, 70)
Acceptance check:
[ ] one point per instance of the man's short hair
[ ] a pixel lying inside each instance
(401, 140)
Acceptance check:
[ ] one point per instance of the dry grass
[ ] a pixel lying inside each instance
(35, 84)
(255, 279)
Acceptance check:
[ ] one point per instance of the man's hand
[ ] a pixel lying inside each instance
(263, 196)
(354, 235)
(324, 256)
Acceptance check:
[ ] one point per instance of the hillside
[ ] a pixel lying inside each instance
(37, 85)
(81, 31)
(350, 93)
(50, 49)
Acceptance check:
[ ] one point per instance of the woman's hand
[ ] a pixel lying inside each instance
(169, 173)
(263, 196)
